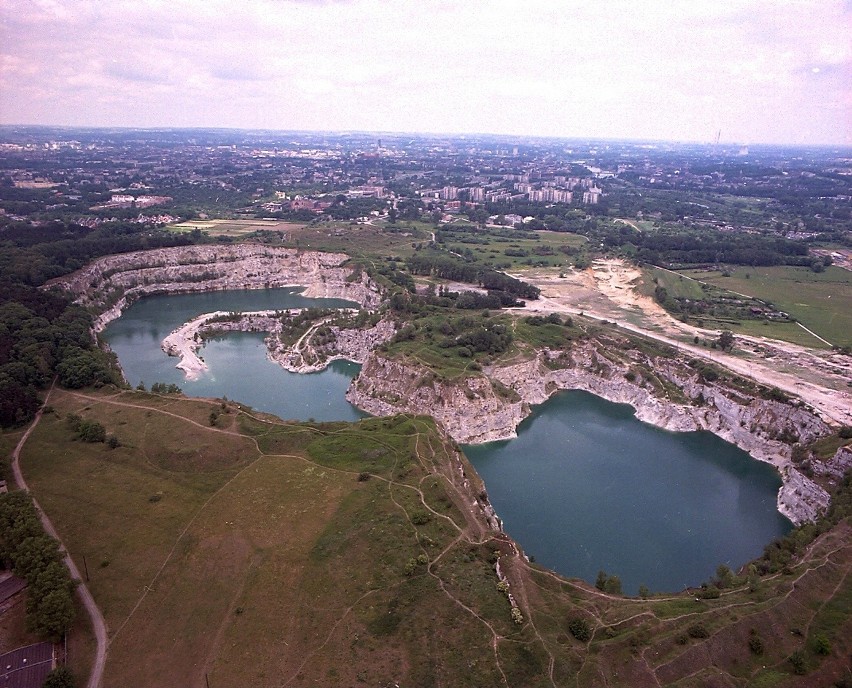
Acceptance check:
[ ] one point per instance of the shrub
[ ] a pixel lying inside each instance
(580, 629)
(420, 518)
(91, 431)
(698, 630)
(799, 663)
(822, 646)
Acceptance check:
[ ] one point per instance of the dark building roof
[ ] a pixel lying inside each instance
(26, 667)
(11, 586)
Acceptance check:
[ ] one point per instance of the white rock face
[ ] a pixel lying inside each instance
(110, 283)
(475, 410)
(351, 344)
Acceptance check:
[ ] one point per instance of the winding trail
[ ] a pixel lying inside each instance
(97, 619)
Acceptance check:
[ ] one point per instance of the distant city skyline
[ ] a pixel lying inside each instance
(758, 71)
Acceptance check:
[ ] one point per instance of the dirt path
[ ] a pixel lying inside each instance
(607, 291)
(98, 623)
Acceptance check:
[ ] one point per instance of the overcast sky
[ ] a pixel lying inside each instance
(776, 71)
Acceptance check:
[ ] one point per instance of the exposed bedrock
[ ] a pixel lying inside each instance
(490, 407)
(111, 283)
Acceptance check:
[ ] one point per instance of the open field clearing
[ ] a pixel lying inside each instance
(726, 309)
(516, 249)
(266, 553)
(821, 301)
(234, 228)
(368, 241)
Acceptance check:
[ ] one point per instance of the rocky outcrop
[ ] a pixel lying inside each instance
(346, 343)
(470, 408)
(109, 284)
(837, 466)
(490, 406)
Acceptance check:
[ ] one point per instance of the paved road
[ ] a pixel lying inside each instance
(98, 623)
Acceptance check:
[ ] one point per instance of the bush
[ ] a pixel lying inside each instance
(822, 646)
(580, 629)
(698, 630)
(799, 663)
(420, 518)
(91, 431)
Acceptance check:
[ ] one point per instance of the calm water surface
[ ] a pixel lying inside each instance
(584, 487)
(238, 367)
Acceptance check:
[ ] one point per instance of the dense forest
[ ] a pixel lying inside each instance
(42, 334)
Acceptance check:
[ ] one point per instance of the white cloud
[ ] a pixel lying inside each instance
(622, 68)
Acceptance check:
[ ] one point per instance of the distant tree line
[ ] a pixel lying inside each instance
(459, 271)
(34, 255)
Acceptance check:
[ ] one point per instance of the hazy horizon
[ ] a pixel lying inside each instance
(758, 71)
(509, 138)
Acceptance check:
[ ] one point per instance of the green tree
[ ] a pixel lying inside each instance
(51, 615)
(33, 554)
(580, 629)
(60, 677)
(726, 340)
(613, 585)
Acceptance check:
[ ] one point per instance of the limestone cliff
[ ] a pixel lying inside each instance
(349, 343)
(110, 283)
(489, 407)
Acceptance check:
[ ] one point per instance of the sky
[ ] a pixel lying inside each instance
(751, 71)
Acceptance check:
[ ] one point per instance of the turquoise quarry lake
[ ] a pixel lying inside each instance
(238, 367)
(585, 486)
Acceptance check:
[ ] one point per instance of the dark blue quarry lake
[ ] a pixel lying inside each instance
(584, 487)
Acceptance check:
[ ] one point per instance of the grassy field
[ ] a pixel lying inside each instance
(827, 298)
(265, 553)
(822, 302)
(235, 228)
(371, 242)
(540, 249)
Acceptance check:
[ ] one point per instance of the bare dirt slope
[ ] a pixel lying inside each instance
(607, 291)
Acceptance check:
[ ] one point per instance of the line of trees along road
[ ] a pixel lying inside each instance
(34, 556)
